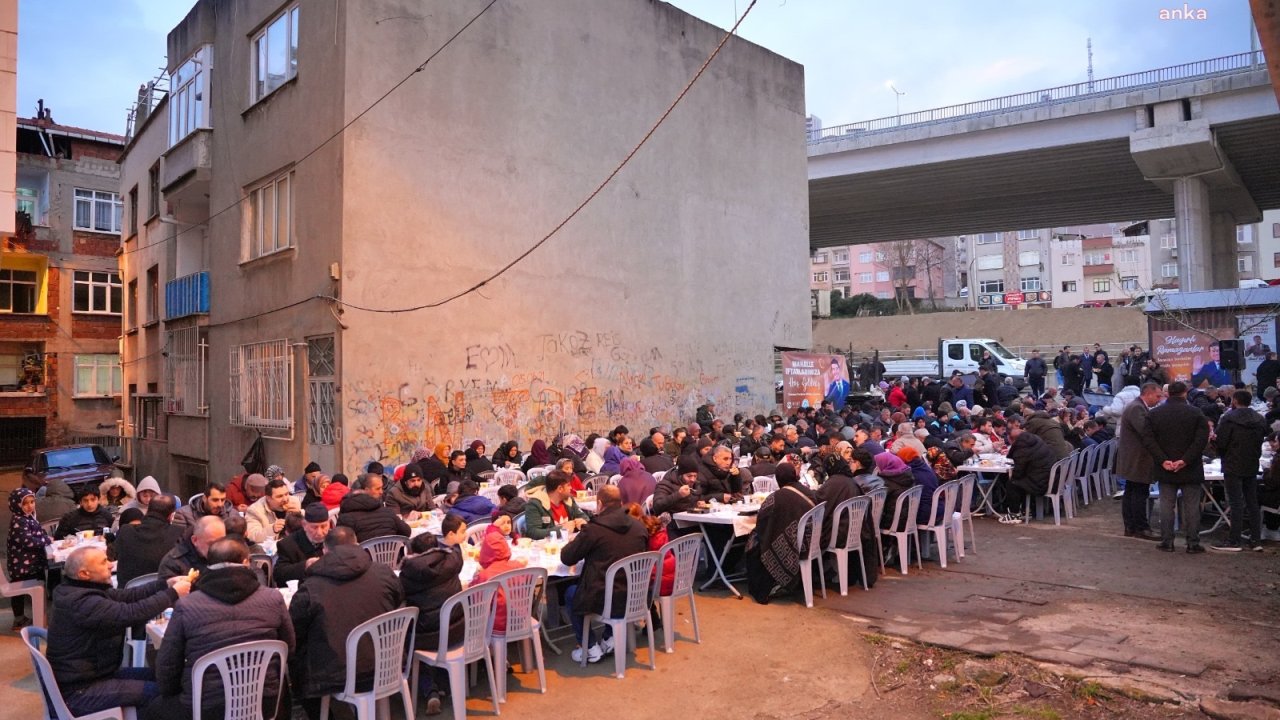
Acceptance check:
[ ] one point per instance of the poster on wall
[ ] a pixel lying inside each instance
(1191, 357)
(1259, 335)
(810, 378)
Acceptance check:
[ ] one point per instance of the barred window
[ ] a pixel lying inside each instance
(188, 351)
(261, 376)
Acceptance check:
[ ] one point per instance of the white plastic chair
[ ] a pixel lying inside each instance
(686, 551)
(967, 485)
(1085, 460)
(475, 533)
(243, 668)
(135, 650)
(55, 706)
(507, 476)
(856, 509)
(392, 637)
(810, 549)
(613, 479)
(50, 526)
(390, 550)
(647, 504)
(333, 515)
(263, 566)
(33, 589)
(657, 477)
(908, 504)
(641, 584)
(944, 502)
(1059, 490)
(878, 496)
(540, 471)
(519, 589)
(477, 611)
(764, 484)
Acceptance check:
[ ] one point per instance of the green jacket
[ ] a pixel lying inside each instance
(537, 514)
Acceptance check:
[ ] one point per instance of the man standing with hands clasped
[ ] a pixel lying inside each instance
(1176, 436)
(1134, 462)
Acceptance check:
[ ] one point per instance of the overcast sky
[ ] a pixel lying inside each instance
(86, 58)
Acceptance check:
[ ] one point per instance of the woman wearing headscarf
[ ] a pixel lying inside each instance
(539, 456)
(897, 480)
(432, 464)
(773, 557)
(636, 483)
(25, 547)
(477, 462)
(595, 458)
(571, 447)
(615, 454)
(508, 456)
(923, 476)
(849, 475)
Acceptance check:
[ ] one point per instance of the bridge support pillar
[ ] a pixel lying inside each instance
(1224, 268)
(1191, 210)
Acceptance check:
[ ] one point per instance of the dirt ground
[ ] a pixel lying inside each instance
(1103, 618)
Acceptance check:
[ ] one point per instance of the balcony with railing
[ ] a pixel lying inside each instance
(187, 295)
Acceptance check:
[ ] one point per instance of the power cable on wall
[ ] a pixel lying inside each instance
(609, 178)
(421, 66)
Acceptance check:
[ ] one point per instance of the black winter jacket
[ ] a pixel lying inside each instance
(86, 636)
(1176, 430)
(182, 559)
(666, 496)
(1033, 459)
(78, 521)
(369, 518)
(343, 589)
(609, 537)
(429, 580)
(292, 553)
(1241, 432)
(140, 548)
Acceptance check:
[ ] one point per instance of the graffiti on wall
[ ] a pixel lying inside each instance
(573, 381)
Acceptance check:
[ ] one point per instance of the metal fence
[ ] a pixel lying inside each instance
(1227, 65)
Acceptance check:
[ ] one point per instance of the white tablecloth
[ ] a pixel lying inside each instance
(61, 549)
(722, 515)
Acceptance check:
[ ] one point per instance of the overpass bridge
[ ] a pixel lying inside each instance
(1199, 142)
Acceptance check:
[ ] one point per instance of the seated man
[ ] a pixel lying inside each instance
(429, 577)
(552, 508)
(238, 528)
(343, 589)
(86, 634)
(675, 492)
(364, 512)
(470, 504)
(411, 497)
(301, 549)
(610, 536)
(213, 504)
(245, 490)
(227, 606)
(139, 549)
(267, 516)
(192, 552)
(961, 450)
(88, 516)
(1032, 460)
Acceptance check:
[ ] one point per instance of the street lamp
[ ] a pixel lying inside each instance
(897, 100)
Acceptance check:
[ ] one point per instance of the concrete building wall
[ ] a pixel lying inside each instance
(8, 110)
(1268, 239)
(672, 287)
(1066, 261)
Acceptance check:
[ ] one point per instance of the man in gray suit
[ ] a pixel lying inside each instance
(1134, 462)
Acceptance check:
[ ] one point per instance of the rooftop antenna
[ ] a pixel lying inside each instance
(1089, 45)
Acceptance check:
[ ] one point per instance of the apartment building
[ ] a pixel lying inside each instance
(879, 269)
(60, 291)
(270, 294)
(1267, 234)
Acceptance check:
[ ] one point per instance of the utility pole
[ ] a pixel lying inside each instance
(1089, 46)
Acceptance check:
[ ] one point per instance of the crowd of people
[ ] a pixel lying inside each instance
(917, 436)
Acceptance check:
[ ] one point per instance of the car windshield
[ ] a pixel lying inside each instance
(1000, 350)
(71, 457)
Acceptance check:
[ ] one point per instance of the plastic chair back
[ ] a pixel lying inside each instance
(595, 482)
(243, 669)
(878, 496)
(856, 509)
(540, 471)
(475, 533)
(142, 580)
(262, 565)
(908, 502)
(686, 550)
(50, 526)
(944, 500)
(389, 550)
(55, 707)
(809, 534)
(477, 612)
(764, 484)
(508, 476)
(521, 525)
(392, 637)
(647, 504)
(486, 475)
(520, 589)
(657, 477)
(639, 572)
(967, 484)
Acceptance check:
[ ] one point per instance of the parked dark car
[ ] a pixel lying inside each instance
(73, 464)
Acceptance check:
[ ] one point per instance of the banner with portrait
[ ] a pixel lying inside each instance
(810, 378)
(1259, 335)
(1191, 357)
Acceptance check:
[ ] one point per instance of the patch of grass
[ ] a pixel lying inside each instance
(875, 639)
(1089, 690)
(902, 667)
(971, 715)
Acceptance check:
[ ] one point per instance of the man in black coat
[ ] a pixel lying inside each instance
(87, 516)
(300, 549)
(343, 589)
(362, 510)
(1176, 436)
(430, 577)
(847, 480)
(1241, 432)
(86, 635)
(676, 491)
(138, 549)
(719, 478)
(1267, 373)
(1035, 372)
(1033, 461)
(610, 536)
(192, 553)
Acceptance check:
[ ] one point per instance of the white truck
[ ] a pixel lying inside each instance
(961, 354)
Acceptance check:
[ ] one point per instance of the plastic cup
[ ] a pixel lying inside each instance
(86, 534)
(525, 543)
